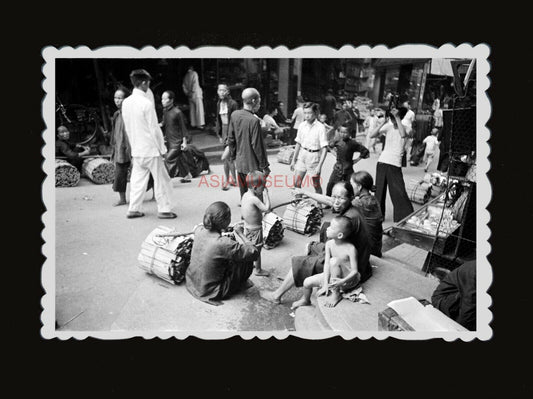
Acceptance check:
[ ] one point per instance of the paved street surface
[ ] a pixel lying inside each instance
(99, 286)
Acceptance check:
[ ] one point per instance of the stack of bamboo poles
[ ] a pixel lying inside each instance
(418, 191)
(166, 254)
(272, 230)
(285, 154)
(99, 170)
(303, 217)
(66, 174)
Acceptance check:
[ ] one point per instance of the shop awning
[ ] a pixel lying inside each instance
(441, 67)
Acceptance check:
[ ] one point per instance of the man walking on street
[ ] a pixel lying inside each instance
(147, 148)
(245, 139)
(225, 107)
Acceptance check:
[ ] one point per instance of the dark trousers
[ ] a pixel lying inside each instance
(243, 186)
(391, 176)
(174, 161)
(121, 177)
(338, 174)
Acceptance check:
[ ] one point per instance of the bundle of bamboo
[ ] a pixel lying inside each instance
(166, 254)
(99, 170)
(272, 230)
(418, 191)
(66, 174)
(303, 217)
(285, 154)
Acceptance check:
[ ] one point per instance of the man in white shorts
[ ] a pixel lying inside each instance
(310, 151)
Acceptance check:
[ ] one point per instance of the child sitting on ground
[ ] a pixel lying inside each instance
(254, 202)
(431, 143)
(340, 266)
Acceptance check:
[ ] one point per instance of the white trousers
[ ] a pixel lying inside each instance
(196, 112)
(140, 173)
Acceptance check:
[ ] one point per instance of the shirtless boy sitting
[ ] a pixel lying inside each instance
(340, 266)
(252, 212)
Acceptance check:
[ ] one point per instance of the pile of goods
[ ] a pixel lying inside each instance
(166, 254)
(99, 170)
(285, 154)
(272, 230)
(303, 217)
(428, 221)
(362, 104)
(418, 191)
(66, 174)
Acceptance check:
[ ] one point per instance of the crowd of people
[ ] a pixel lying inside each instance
(157, 150)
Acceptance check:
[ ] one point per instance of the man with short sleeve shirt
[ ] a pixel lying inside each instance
(310, 151)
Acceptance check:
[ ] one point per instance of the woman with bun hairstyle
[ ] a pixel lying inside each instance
(219, 266)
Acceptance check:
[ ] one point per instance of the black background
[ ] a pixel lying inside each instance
(293, 366)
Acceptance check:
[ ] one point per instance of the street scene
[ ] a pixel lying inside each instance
(266, 194)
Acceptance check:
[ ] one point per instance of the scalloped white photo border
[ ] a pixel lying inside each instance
(465, 50)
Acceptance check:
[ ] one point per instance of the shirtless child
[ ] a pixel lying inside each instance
(252, 212)
(340, 266)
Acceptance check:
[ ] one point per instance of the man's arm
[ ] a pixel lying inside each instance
(258, 145)
(375, 132)
(323, 153)
(323, 147)
(230, 140)
(154, 128)
(362, 150)
(323, 199)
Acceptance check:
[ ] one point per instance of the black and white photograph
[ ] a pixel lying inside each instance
(266, 192)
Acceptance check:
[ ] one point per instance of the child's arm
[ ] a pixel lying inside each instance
(352, 254)
(325, 287)
(266, 200)
(260, 205)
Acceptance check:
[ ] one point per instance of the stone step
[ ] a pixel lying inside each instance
(390, 281)
(407, 256)
(308, 318)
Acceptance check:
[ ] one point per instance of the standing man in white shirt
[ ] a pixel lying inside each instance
(311, 148)
(147, 148)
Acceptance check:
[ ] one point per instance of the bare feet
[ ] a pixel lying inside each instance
(334, 299)
(301, 302)
(261, 273)
(120, 202)
(269, 296)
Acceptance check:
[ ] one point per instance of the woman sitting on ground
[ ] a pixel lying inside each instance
(313, 261)
(219, 266)
(368, 205)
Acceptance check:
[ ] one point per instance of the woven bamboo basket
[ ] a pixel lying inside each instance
(166, 257)
(285, 154)
(99, 170)
(273, 230)
(66, 174)
(303, 217)
(418, 191)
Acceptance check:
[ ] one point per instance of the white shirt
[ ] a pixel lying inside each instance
(270, 122)
(224, 112)
(431, 144)
(394, 146)
(140, 121)
(298, 116)
(408, 120)
(312, 136)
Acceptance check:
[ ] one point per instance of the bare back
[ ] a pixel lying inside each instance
(250, 209)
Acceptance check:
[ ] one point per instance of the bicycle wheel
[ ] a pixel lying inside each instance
(81, 121)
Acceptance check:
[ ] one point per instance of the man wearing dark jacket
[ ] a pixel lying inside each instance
(455, 296)
(225, 107)
(245, 139)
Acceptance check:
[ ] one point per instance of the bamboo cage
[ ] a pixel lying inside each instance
(99, 170)
(66, 174)
(273, 230)
(285, 154)
(303, 217)
(418, 191)
(166, 257)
